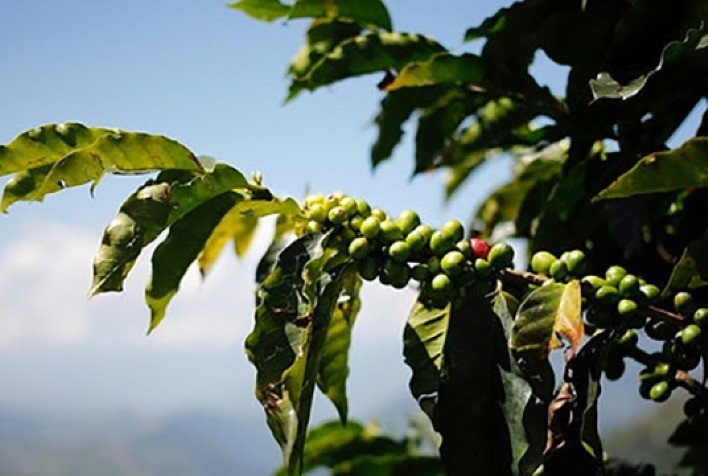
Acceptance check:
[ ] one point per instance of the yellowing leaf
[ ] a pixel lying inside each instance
(548, 312)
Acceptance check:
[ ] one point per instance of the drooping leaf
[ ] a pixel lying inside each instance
(334, 362)
(265, 10)
(51, 158)
(239, 225)
(676, 169)
(367, 12)
(466, 69)
(148, 212)
(500, 125)
(323, 35)
(423, 343)
(295, 306)
(468, 412)
(691, 271)
(551, 310)
(396, 108)
(185, 241)
(525, 391)
(505, 203)
(437, 123)
(365, 54)
(605, 86)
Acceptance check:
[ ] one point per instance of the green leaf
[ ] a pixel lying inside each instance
(239, 225)
(436, 124)
(547, 311)
(505, 203)
(444, 68)
(525, 391)
(423, 344)
(80, 155)
(295, 306)
(691, 271)
(367, 12)
(265, 10)
(323, 35)
(148, 212)
(334, 362)
(501, 124)
(605, 86)
(676, 169)
(364, 54)
(396, 108)
(185, 241)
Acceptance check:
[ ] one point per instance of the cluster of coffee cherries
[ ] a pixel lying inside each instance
(620, 301)
(397, 250)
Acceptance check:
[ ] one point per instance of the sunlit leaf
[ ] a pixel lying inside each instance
(605, 86)
(79, 155)
(551, 310)
(676, 169)
(367, 12)
(265, 10)
(423, 346)
(239, 225)
(148, 212)
(296, 303)
(364, 54)
(334, 361)
(445, 68)
(185, 241)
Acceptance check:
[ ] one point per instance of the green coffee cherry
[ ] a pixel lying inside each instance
(359, 248)
(349, 205)
(628, 340)
(501, 256)
(330, 202)
(420, 273)
(464, 247)
(575, 260)
(337, 215)
(541, 262)
(313, 227)
(629, 286)
(311, 200)
(690, 336)
(607, 295)
(558, 270)
(660, 391)
(317, 213)
(684, 304)
(441, 243)
(399, 251)
(416, 240)
(370, 227)
(614, 368)
(369, 268)
(355, 222)
(660, 330)
(452, 263)
(651, 293)
(363, 208)
(390, 231)
(601, 317)
(426, 230)
(397, 274)
(441, 284)
(482, 268)
(700, 317)
(454, 229)
(593, 282)
(407, 221)
(614, 275)
(434, 264)
(380, 214)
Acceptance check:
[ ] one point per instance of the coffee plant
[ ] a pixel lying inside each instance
(613, 216)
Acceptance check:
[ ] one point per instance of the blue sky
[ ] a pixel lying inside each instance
(214, 80)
